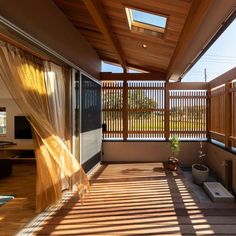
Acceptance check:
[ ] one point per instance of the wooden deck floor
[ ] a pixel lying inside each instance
(141, 199)
(19, 211)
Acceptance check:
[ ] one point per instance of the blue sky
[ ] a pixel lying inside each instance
(218, 59)
(148, 18)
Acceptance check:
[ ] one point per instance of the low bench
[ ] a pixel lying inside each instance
(217, 192)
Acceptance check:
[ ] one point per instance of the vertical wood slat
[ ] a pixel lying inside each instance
(227, 114)
(167, 113)
(233, 112)
(217, 101)
(125, 110)
(209, 108)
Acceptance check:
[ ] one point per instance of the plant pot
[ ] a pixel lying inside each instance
(173, 163)
(200, 173)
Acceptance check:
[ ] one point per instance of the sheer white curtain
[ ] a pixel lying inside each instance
(42, 100)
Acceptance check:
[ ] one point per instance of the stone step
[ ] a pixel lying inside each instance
(217, 192)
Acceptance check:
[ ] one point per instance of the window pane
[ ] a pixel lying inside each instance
(150, 19)
(3, 120)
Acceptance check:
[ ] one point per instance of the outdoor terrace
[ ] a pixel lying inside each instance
(141, 199)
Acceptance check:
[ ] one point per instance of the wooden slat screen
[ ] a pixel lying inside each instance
(112, 99)
(187, 113)
(233, 113)
(217, 112)
(222, 101)
(145, 110)
(141, 110)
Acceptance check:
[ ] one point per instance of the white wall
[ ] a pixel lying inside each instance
(148, 152)
(12, 110)
(91, 142)
(215, 160)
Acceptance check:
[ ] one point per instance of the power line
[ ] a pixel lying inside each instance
(217, 56)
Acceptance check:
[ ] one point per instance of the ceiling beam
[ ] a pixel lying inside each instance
(197, 12)
(133, 66)
(132, 76)
(96, 11)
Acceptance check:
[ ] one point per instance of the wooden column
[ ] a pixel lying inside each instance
(167, 112)
(227, 113)
(125, 110)
(228, 174)
(208, 114)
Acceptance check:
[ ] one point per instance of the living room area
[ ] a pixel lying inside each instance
(17, 166)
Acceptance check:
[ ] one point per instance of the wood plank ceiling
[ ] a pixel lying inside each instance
(105, 26)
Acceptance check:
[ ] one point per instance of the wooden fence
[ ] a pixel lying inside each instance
(188, 113)
(222, 112)
(145, 106)
(154, 110)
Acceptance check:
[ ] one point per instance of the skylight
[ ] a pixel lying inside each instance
(139, 20)
(150, 19)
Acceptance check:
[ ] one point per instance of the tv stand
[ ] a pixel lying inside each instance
(6, 143)
(12, 150)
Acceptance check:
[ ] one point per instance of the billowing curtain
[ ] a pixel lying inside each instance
(55, 87)
(36, 91)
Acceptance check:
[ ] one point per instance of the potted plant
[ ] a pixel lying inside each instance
(200, 171)
(175, 149)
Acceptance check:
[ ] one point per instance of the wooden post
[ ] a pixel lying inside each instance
(125, 110)
(227, 114)
(167, 112)
(208, 114)
(228, 174)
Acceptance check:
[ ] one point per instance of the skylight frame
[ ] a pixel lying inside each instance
(143, 25)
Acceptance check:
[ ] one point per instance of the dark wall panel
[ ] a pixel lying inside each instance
(91, 105)
(89, 164)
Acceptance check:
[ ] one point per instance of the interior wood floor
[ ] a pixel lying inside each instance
(141, 199)
(20, 210)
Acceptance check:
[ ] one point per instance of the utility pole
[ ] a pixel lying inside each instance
(205, 74)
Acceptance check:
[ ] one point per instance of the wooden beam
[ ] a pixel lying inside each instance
(217, 136)
(96, 11)
(132, 76)
(194, 20)
(20, 43)
(189, 85)
(224, 78)
(134, 66)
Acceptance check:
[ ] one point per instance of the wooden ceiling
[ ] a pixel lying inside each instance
(105, 26)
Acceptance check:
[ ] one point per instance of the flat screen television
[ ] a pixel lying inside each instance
(22, 128)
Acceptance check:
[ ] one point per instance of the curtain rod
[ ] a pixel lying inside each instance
(17, 44)
(42, 46)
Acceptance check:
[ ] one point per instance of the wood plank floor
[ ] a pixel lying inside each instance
(141, 199)
(19, 211)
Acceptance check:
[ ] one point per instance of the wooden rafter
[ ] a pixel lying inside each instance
(133, 66)
(132, 76)
(195, 17)
(96, 11)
